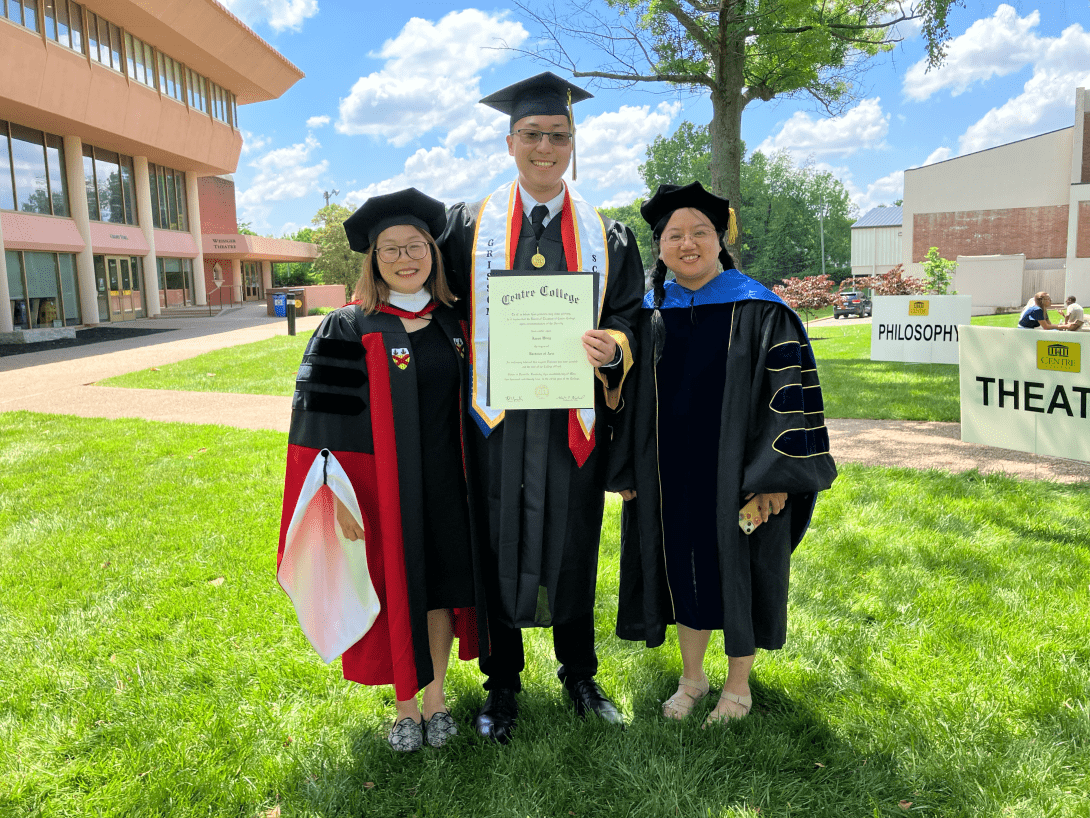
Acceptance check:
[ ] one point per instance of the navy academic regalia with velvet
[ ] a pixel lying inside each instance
(387, 404)
(733, 407)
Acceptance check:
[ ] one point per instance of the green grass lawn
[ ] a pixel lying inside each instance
(937, 662)
(853, 385)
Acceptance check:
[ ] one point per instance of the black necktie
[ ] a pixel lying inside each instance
(537, 219)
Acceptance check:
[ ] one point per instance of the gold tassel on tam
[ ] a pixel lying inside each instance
(732, 228)
(571, 120)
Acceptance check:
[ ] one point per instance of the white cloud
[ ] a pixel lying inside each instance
(625, 197)
(253, 142)
(279, 14)
(281, 174)
(317, 122)
(440, 173)
(937, 155)
(1047, 99)
(992, 47)
(431, 75)
(864, 126)
(611, 147)
(886, 191)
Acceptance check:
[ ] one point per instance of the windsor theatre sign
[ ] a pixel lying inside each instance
(1027, 390)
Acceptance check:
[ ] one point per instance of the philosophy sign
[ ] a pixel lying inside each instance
(1027, 390)
(920, 329)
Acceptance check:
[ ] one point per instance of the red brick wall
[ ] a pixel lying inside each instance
(217, 199)
(1082, 231)
(1039, 232)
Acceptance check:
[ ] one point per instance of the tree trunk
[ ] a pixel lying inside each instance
(727, 104)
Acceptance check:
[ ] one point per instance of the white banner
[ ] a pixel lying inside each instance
(1027, 390)
(920, 329)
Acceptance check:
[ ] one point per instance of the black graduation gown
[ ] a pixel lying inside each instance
(534, 582)
(354, 397)
(765, 444)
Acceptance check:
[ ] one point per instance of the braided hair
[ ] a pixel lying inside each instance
(658, 280)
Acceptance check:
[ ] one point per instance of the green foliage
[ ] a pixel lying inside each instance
(630, 216)
(320, 310)
(297, 273)
(245, 230)
(780, 210)
(337, 263)
(152, 667)
(938, 273)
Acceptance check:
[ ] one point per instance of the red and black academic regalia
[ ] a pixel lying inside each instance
(733, 407)
(359, 395)
(541, 506)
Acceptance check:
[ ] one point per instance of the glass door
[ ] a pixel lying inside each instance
(123, 288)
(113, 274)
(101, 289)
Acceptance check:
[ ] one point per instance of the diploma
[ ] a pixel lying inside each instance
(536, 323)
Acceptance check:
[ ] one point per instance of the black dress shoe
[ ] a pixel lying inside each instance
(496, 720)
(589, 698)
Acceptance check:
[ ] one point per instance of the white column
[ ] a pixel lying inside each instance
(147, 225)
(266, 275)
(77, 201)
(236, 279)
(200, 293)
(6, 322)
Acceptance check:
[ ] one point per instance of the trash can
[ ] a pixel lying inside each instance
(280, 308)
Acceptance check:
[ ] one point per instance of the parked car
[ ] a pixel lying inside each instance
(851, 303)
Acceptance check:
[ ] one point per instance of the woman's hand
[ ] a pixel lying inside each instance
(627, 494)
(352, 530)
(600, 347)
(769, 504)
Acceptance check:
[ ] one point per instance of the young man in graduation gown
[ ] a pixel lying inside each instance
(541, 473)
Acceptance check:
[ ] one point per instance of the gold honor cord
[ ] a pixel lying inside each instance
(571, 121)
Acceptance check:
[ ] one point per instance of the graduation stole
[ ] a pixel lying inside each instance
(495, 240)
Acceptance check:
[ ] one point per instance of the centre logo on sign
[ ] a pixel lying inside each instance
(1059, 356)
(918, 307)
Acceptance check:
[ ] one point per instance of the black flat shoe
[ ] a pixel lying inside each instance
(589, 698)
(496, 720)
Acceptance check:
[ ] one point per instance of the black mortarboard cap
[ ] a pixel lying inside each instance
(408, 206)
(546, 94)
(668, 198)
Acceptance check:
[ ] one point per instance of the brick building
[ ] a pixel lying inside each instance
(118, 121)
(1017, 216)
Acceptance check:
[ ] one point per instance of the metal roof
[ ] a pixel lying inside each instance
(880, 217)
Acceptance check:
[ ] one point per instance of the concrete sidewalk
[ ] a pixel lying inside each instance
(63, 382)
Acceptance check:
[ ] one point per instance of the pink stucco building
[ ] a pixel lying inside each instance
(118, 125)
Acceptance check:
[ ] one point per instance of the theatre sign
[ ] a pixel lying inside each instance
(1027, 390)
(920, 329)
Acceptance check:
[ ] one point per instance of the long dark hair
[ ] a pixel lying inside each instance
(658, 280)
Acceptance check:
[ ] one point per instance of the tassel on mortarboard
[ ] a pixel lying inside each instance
(571, 119)
(732, 228)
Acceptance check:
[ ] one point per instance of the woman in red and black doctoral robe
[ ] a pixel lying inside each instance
(726, 414)
(376, 443)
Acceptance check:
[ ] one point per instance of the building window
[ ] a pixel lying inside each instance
(198, 94)
(32, 171)
(175, 282)
(139, 60)
(23, 12)
(169, 206)
(104, 41)
(109, 178)
(170, 77)
(42, 289)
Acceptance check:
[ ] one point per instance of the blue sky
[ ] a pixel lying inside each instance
(389, 101)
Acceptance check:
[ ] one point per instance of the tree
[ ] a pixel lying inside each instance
(245, 229)
(336, 262)
(938, 273)
(892, 282)
(297, 273)
(736, 51)
(781, 209)
(807, 295)
(630, 215)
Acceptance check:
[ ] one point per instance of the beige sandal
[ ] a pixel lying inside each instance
(681, 704)
(721, 716)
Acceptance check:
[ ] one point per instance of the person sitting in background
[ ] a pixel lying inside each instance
(1036, 317)
(1073, 315)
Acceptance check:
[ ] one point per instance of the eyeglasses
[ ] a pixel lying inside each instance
(697, 236)
(529, 136)
(392, 252)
